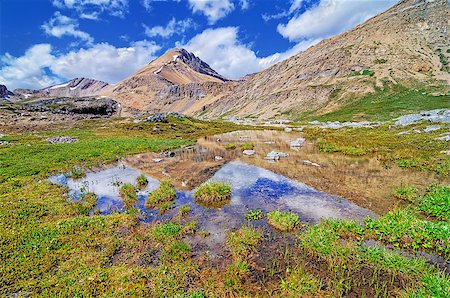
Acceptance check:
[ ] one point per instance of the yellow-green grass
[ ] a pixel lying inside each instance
(213, 193)
(165, 193)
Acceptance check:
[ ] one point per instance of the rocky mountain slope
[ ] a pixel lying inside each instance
(78, 87)
(407, 45)
(165, 78)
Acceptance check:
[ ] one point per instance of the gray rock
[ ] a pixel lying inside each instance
(310, 163)
(274, 155)
(163, 117)
(62, 140)
(249, 152)
(432, 128)
(434, 116)
(218, 158)
(298, 142)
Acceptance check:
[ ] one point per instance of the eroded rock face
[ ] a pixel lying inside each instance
(5, 93)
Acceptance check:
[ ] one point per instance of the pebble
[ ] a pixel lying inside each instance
(156, 160)
(274, 155)
(218, 158)
(310, 163)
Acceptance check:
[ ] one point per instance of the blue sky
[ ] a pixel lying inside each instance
(45, 42)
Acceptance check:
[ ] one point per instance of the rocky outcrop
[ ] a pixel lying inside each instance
(5, 93)
(78, 87)
(74, 106)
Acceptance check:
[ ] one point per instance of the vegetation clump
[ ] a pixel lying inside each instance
(129, 196)
(436, 202)
(184, 210)
(283, 221)
(142, 181)
(164, 193)
(243, 241)
(254, 214)
(247, 146)
(406, 193)
(86, 203)
(230, 146)
(77, 173)
(213, 193)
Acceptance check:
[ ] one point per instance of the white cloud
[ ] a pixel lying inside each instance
(331, 17)
(60, 25)
(214, 10)
(104, 61)
(296, 4)
(39, 67)
(245, 4)
(222, 50)
(116, 8)
(174, 27)
(28, 71)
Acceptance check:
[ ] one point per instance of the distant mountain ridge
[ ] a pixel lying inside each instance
(78, 87)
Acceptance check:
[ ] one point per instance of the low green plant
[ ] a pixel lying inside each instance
(230, 146)
(142, 181)
(243, 241)
(283, 221)
(254, 214)
(247, 146)
(164, 207)
(129, 196)
(184, 210)
(436, 202)
(86, 203)
(406, 193)
(77, 173)
(380, 61)
(168, 229)
(190, 228)
(164, 193)
(213, 194)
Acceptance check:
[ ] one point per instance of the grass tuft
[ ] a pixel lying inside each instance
(283, 221)
(164, 193)
(129, 196)
(213, 194)
(142, 181)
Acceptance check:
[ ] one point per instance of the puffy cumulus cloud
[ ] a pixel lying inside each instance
(214, 10)
(104, 61)
(39, 67)
(223, 51)
(174, 27)
(90, 9)
(331, 17)
(60, 25)
(29, 70)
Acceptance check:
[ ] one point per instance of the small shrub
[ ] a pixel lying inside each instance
(142, 181)
(254, 214)
(184, 210)
(353, 151)
(247, 146)
(213, 193)
(129, 196)
(176, 251)
(230, 146)
(283, 221)
(165, 193)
